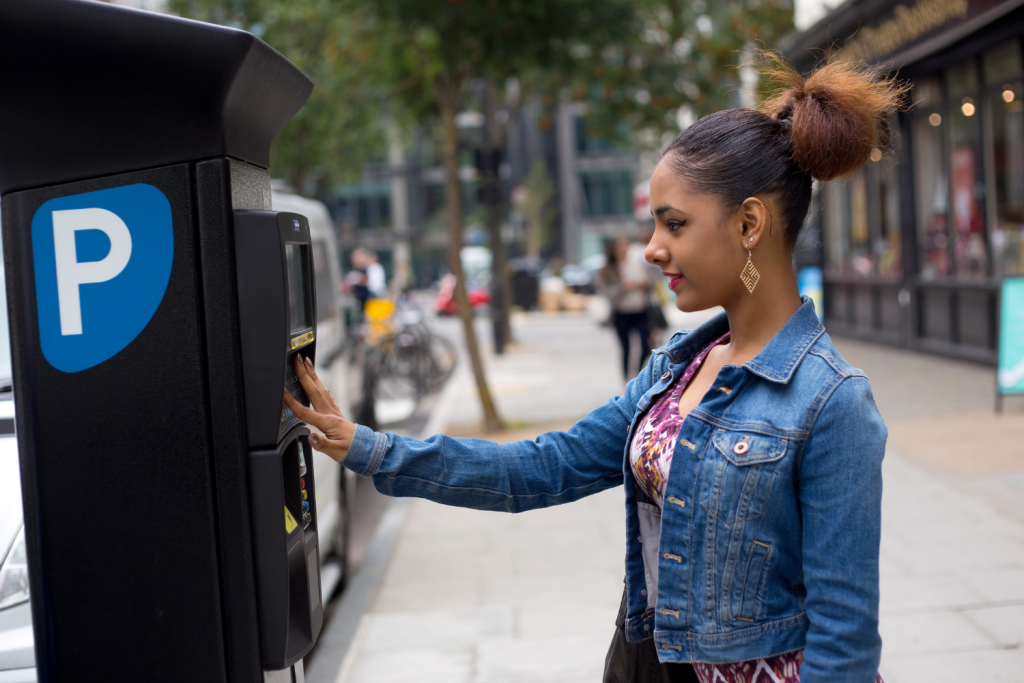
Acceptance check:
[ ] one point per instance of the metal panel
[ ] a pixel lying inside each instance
(936, 320)
(104, 453)
(864, 307)
(973, 316)
(889, 311)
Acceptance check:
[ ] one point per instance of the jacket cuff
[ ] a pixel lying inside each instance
(366, 452)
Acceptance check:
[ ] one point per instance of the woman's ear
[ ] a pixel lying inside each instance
(755, 221)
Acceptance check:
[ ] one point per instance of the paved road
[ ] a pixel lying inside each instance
(492, 598)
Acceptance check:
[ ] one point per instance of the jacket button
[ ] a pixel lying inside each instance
(666, 375)
(643, 591)
(741, 447)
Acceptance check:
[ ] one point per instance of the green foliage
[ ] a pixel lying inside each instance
(340, 127)
(677, 53)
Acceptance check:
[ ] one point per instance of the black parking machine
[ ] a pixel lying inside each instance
(156, 302)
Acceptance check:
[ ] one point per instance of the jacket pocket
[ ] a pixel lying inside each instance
(754, 576)
(746, 448)
(744, 474)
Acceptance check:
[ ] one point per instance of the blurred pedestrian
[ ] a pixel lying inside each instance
(376, 281)
(357, 279)
(749, 449)
(627, 283)
(657, 296)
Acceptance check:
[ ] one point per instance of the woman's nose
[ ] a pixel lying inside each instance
(654, 253)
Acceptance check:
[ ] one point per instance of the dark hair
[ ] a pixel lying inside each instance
(823, 127)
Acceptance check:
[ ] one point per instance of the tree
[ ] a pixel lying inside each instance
(340, 127)
(681, 59)
(446, 44)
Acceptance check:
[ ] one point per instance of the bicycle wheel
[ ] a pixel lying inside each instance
(441, 358)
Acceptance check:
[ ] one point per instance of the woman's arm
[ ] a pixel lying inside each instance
(557, 467)
(840, 490)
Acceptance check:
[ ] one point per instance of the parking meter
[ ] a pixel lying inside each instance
(277, 304)
(155, 303)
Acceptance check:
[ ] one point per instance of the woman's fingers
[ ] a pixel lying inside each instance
(336, 449)
(311, 371)
(318, 420)
(316, 396)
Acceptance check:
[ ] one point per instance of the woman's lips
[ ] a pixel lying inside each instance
(673, 279)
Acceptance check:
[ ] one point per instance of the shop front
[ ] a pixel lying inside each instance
(915, 244)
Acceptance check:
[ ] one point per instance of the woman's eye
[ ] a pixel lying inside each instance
(675, 225)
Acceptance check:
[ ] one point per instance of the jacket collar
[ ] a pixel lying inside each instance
(777, 361)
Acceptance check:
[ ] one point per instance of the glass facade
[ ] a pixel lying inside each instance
(608, 193)
(968, 141)
(862, 220)
(1005, 109)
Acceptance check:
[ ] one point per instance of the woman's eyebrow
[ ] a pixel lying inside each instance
(664, 209)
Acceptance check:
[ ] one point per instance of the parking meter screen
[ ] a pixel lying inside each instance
(298, 308)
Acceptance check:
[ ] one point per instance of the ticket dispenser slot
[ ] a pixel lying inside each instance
(276, 301)
(287, 550)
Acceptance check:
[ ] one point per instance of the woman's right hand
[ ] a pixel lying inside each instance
(324, 414)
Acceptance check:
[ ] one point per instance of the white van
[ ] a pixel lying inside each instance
(332, 509)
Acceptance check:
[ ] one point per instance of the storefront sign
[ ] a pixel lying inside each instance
(1010, 377)
(903, 27)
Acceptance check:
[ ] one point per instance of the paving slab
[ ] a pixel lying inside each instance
(495, 598)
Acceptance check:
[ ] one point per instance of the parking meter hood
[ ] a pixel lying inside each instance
(146, 90)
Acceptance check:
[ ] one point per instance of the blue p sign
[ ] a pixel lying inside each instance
(102, 263)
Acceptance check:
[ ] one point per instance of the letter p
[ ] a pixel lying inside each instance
(71, 273)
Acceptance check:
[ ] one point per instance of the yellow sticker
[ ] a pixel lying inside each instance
(289, 521)
(302, 340)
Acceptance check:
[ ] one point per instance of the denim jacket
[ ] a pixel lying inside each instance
(765, 548)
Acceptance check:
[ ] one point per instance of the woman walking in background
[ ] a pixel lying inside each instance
(628, 286)
(750, 451)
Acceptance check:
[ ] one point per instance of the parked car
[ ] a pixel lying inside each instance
(17, 646)
(444, 302)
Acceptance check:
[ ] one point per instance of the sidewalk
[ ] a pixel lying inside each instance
(496, 598)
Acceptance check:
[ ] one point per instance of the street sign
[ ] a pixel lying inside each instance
(1010, 374)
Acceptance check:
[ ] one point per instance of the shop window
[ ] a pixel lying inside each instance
(1007, 115)
(1002, 63)
(860, 231)
(967, 185)
(862, 221)
(887, 245)
(608, 193)
(930, 193)
(962, 79)
(836, 220)
(927, 92)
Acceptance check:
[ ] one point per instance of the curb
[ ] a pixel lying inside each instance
(337, 637)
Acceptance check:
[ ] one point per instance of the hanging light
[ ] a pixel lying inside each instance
(935, 119)
(876, 154)
(1008, 95)
(967, 107)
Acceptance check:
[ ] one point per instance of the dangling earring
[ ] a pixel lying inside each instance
(749, 275)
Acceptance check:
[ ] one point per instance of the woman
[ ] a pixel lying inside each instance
(628, 287)
(749, 450)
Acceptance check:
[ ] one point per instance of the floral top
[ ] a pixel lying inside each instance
(650, 454)
(650, 457)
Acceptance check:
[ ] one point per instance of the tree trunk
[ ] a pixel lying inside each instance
(448, 92)
(501, 292)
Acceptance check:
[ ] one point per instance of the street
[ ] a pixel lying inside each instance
(494, 598)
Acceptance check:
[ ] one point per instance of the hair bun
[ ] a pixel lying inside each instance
(837, 115)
